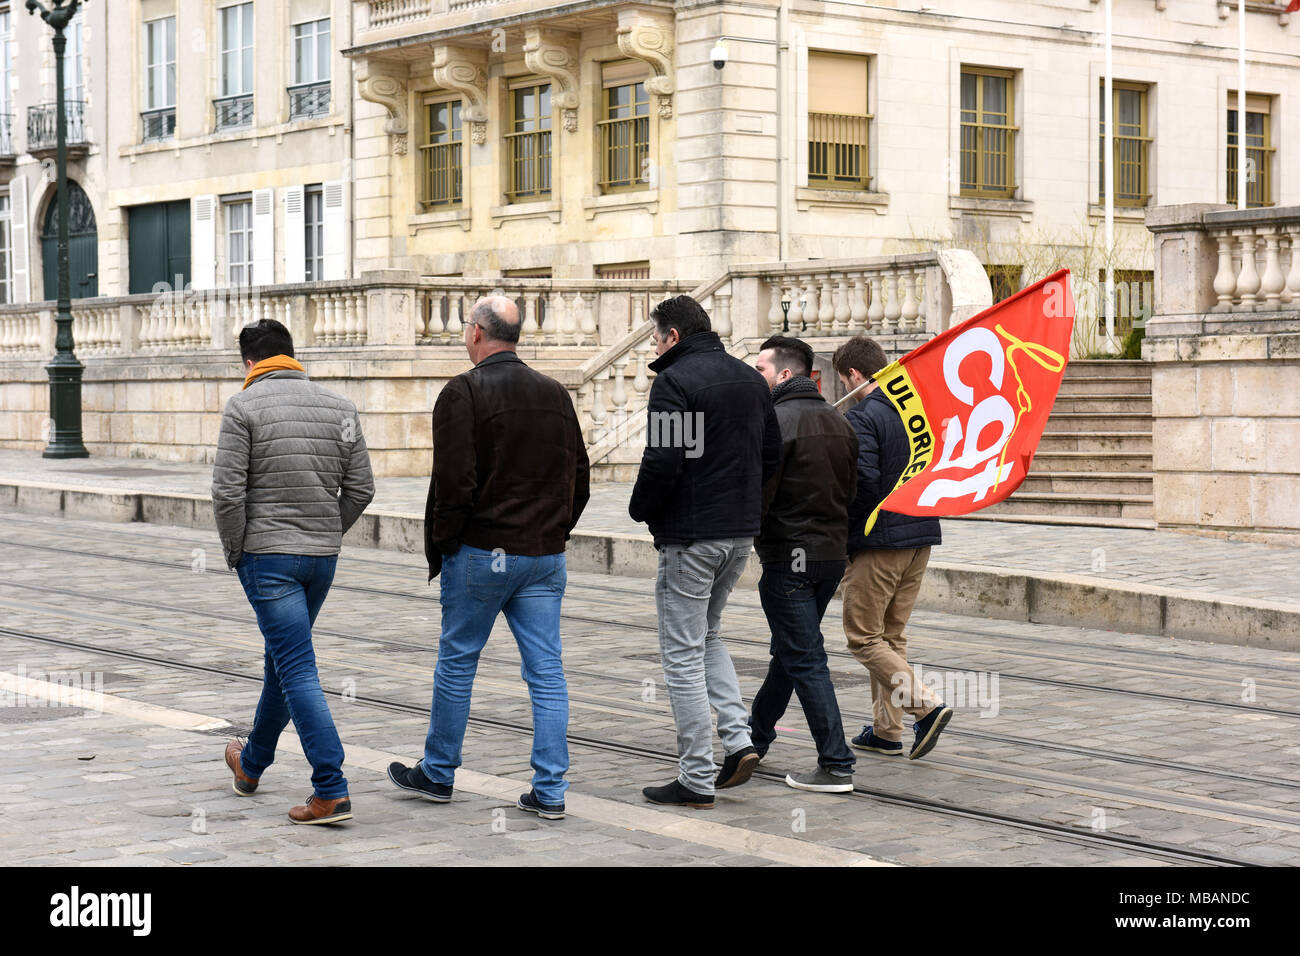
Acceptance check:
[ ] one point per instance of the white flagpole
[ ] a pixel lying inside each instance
(852, 393)
(1108, 174)
(1241, 104)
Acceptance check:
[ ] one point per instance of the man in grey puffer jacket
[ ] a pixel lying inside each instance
(292, 475)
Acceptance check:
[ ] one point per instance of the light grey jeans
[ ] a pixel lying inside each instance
(690, 592)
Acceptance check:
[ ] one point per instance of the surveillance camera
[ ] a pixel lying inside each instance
(718, 55)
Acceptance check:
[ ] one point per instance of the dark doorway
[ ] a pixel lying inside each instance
(83, 246)
(158, 243)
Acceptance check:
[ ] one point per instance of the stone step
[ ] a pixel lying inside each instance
(1131, 442)
(1052, 462)
(1100, 423)
(1090, 521)
(1081, 505)
(1102, 404)
(1104, 368)
(1086, 482)
(1139, 387)
(615, 471)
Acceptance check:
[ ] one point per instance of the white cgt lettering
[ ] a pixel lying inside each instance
(977, 484)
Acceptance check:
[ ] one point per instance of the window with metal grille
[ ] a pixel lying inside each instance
(310, 93)
(624, 270)
(159, 116)
(234, 107)
(239, 240)
(528, 144)
(988, 133)
(313, 215)
(1005, 281)
(1259, 151)
(442, 154)
(838, 121)
(1131, 146)
(625, 138)
(1134, 293)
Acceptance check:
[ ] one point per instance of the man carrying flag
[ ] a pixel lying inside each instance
(886, 565)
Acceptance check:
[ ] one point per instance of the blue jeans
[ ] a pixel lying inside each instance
(794, 603)
(478, 585)
(287, 591)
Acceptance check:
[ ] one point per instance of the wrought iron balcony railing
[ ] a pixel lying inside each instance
(42, 125)
(234, 112)
(159, 124)
(309, 99)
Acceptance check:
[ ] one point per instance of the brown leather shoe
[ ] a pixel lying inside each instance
(244, 785)
(316, 810)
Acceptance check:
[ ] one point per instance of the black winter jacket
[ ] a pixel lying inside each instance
(811, 492)
(712, 439)
(883, 453)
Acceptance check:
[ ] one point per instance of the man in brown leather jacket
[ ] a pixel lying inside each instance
(509, 484)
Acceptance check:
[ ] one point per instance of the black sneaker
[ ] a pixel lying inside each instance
(413, 779)
(737, 768)
(820, 780)
(675, 795)
(928, 729)
(547, 811)
(869, 741)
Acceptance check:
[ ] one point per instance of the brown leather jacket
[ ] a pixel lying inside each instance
(509, 463)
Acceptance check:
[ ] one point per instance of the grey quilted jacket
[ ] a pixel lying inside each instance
(292, 472)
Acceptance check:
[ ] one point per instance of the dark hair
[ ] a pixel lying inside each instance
(787, 352)
(494, 326)
(859, 353)
(681, 313)
(264, 339)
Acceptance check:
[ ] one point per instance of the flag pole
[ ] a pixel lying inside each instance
(852, 393)
(1108, 175)
(1241, 104)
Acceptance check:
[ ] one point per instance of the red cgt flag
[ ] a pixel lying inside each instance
(1293, 6)
(974, 401)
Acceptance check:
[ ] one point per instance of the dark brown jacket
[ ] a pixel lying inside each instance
(509, 463)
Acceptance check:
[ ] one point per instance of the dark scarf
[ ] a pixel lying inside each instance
(798, 383)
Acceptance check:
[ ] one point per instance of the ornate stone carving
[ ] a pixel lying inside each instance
(647, 36)
(554, 54)
(464, 69)
(385, 83)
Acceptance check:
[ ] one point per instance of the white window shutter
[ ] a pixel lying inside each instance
(295, 244)
(203, 243)
(263, 237)
(18, 232)
(336, 229)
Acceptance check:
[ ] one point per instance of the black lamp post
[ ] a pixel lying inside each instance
(64, 369)
(785, 312)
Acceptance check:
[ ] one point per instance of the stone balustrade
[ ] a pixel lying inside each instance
(388, 13)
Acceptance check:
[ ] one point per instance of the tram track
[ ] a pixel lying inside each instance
(1055, 831)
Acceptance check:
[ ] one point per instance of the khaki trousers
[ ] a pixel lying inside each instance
(880, 588)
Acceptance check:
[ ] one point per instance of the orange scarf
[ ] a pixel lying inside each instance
(276, 363)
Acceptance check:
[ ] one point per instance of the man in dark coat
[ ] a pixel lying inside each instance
(711, 441)
(802, 549)
(886, 565)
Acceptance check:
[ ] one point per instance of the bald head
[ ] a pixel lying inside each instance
(499, 319)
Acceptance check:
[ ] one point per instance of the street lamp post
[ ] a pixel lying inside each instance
(64, 369)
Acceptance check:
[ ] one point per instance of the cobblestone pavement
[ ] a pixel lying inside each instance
(1108, 736)
(1169, 559)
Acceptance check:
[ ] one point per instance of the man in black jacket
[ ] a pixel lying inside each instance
(509, 484)
(711, 441)
(802, 550)
(886, 565)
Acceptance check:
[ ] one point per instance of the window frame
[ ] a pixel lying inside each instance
(241, 51)
(228, 203)
(833, 180)
(1267, 187)
(981, 189)
(313, 240)
(6, 249)
(456, 133)
(1143, 139)
(637, 122)
(315, 38)
(513, 194)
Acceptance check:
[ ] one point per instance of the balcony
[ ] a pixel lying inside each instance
(42, 129)
(6, 139)
(234, 112)
(158, 124)
(307, 100)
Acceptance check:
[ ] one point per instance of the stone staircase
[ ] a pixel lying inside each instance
(1093, 465)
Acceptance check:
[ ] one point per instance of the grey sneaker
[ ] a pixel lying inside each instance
(820, 781)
